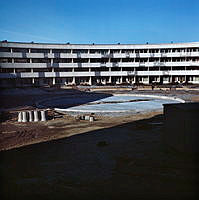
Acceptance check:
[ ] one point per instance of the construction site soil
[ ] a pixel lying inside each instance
(14, 134)
(116, 157)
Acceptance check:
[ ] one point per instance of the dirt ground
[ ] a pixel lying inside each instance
(110, 158)
(14, 134)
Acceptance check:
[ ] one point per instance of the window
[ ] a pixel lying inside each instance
(20, 50)
(62, 60)
(61, 51)
(40, 60)
(40, 50)
(80, 60)
(4, 49)
(21, 60)
(5, 60)
(42, 70)
(80, 50)
(22, 70)
(115, 51)
(62, 69)
(6, 70)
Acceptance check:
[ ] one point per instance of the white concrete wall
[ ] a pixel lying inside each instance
(121, 73)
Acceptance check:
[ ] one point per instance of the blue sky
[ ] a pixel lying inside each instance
(99, 21)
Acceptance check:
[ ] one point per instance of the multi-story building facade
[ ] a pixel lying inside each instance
(24, 64)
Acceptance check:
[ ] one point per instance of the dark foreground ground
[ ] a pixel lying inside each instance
(122, 158)
(127, 161)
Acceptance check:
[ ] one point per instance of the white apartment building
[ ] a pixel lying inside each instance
(39, 64)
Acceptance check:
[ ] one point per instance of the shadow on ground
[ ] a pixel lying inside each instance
(22, 97)
(125, 161)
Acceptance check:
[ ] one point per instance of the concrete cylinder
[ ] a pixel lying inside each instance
(87, 117)
(43, 115)
(20, 117)
(24, 117)
(30, 116)
(36, 116)
(91, 119)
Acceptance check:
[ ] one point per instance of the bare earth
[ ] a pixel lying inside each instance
(110, 158)
(14, 134)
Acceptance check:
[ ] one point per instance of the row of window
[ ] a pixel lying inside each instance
(104, 80)
(100, 51)
(18, 70)
(97, 60)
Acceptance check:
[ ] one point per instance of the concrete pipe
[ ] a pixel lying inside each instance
(87, 117)
(30, 116)
(36, 116)
(43, 115)
(91, 118)
(24, 117)
(20, 117)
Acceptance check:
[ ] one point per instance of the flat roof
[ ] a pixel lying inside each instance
(97, 46)
(68, 43)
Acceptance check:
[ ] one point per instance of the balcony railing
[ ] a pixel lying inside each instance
(98, 64)
(98, 55)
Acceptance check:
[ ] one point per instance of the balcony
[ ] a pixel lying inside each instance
(98, 64)
(97, 55)
(101, 73)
